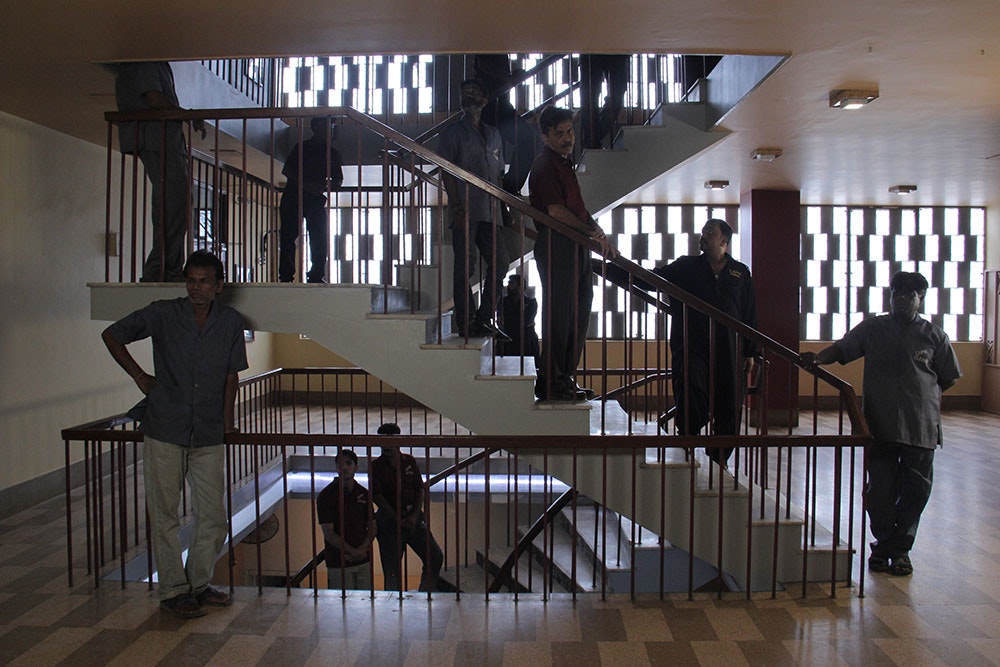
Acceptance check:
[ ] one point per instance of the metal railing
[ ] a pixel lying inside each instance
(483, 489)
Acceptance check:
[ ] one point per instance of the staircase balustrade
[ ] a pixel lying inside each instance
(482, 492)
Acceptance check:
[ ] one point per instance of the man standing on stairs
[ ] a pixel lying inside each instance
(161, 147)
(596, 68)
(563, 264)
(475, 215)
(198, 352)
(908, 363)
(718, 279)
(398, 489)
(312, 168)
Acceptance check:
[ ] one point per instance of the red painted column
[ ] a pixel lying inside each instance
(770, 224)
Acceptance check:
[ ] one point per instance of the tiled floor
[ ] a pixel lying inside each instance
(948, 613)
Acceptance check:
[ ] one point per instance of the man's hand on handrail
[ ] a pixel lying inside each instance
(608, 249)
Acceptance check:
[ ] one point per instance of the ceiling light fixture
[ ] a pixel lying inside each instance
(765, 154)
(851, 99)
(716, 185)
(902, 189)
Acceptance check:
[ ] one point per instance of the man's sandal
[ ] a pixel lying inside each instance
(183, 606)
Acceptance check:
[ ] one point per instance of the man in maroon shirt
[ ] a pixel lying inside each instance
(344, 512)
(398, 489)
(563, 264)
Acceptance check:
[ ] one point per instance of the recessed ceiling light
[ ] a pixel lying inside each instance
(716, 185)
(851, 99)
(765, 154)
(902, 189)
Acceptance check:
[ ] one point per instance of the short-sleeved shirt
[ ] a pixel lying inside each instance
(314, 165)
(132, 81)
(357, 519)
(186, 405)
(384, 479)
(553, 181)
(906, 366)
(731, 292)
(478, 152)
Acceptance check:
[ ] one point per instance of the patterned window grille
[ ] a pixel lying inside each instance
(651, 236)
(411, 86)
(850, 253)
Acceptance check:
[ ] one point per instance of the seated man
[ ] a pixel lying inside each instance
(345, 515)
(400, 517)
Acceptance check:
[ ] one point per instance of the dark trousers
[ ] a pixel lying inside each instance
(168, 179)
(567, 293)
(897, 490)
(495, 263)
(594, 69)
(692, 414)
(318, 224)
(391, 552)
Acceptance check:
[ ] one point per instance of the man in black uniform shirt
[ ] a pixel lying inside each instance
(718, 279)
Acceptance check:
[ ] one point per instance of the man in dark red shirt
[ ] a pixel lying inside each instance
(398, 489)
(348, 527)
(563, 264)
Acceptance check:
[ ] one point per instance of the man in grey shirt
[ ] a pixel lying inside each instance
(198, 352)
(475, 216)
(160, 145)
(908, 363)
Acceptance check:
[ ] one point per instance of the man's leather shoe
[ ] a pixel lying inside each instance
(585, 393)
(559, 393)
(488, 330)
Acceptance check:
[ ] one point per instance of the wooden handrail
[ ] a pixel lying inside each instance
(635, 272)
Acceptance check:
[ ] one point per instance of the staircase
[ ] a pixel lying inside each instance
(453, 377)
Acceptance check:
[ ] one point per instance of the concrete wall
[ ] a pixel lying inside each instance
(56, 372)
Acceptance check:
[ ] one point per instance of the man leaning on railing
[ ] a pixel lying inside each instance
(198, 352)
(908, 363)
(398, 489)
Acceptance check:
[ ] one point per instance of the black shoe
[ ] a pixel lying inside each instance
(559, 393)
(901, 566)
(488, 330)
(585, 393)
(878, 563)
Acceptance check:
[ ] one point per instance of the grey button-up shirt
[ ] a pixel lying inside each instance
(186, 405)
(478, 152)
(905, 368)
(132, 81)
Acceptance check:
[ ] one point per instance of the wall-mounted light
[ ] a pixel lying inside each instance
(765, 154)
(902, 189)
(716, 185)
(851, 99)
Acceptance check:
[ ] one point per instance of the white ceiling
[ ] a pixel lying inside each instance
(935, 63)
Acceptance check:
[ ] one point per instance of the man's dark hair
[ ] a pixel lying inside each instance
(347, 454)
(552, 116)
(389, 428)
(903, 280)
(516, 278)
(475, 82)
(724, 229)
(206, 260)
(321, 122)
